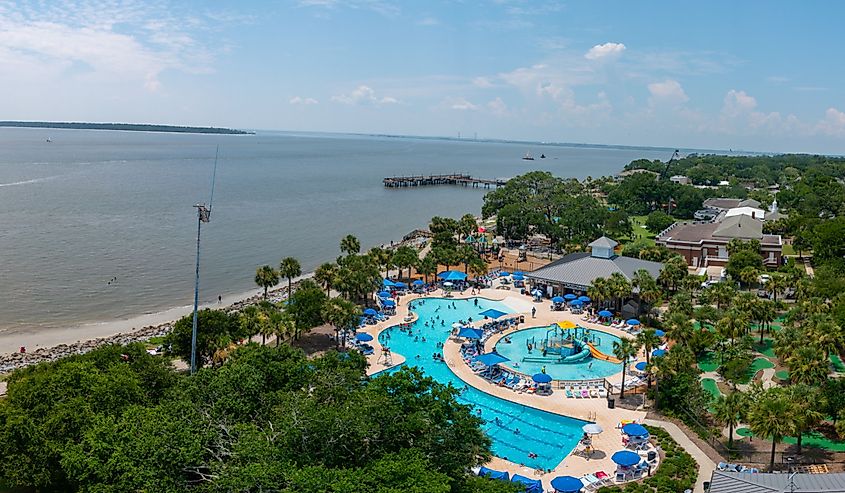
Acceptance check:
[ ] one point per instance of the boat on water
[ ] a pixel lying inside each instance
(542, 156)
(49, 140)
(528, 157)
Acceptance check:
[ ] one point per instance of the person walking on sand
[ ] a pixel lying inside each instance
(533, 312)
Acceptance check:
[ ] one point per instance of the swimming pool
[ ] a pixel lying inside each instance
(533, 361)
(521, 430)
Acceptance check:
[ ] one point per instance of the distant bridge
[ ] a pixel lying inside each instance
(449, 179)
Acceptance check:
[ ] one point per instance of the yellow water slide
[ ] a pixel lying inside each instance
(600, 355)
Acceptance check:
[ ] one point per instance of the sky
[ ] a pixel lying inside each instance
(751, 75)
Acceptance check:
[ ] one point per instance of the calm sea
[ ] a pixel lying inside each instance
(91, 206)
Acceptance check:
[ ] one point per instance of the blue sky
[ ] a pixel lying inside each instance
(748, 75)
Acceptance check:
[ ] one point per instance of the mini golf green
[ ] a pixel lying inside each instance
(708, 362)
(782, 375)
(711, 387)
(756, 365)
(765, 348)
(838, 365)
(813, 439)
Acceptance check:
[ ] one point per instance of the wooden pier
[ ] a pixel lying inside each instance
(450, 179)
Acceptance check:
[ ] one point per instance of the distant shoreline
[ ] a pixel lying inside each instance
(130, 127)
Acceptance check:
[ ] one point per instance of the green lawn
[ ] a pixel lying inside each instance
(708, 362)
(756, 365)
(813, 439)
(637, 222)
(837, 363)
(765, 348)
(782, 375)
(711, 387)
(788, 249)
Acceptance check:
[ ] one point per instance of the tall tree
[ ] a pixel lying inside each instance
(427, 266)
(350, 245)
(648, 340)
(729, 410)
(341, 314)
(289, 268)
(624, 349)
(405, 257)
(325, 276)
(266, 277)
(770, 417)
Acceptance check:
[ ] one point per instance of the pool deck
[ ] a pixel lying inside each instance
(594, 409)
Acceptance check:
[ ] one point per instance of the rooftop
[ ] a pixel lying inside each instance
(739, 226)
(580, 269)
(698, 232)
(740, 482)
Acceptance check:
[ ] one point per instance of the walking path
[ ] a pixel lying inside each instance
(706, 466)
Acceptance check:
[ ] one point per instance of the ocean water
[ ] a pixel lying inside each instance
(517, 352)
(520, 430)
(91, 206)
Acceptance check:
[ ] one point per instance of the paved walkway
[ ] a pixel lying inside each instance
(706, 466)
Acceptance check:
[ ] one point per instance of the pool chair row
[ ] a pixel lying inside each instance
(585, 391)
(724, 466)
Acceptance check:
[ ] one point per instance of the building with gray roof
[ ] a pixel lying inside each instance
(743, 482)
(577, 271)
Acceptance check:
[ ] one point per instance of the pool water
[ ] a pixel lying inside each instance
(590, 368)
(521, 430)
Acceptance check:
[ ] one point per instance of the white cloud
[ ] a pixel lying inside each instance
(667, 92)
(302, 101)
(379, 6)
(833, 123)
(604, 51)
(482, 82)
(497, 106)
(363, 95)
(738, 103)
(459, 104)
(428, 21)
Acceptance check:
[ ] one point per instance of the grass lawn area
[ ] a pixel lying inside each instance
(765, 348)
(711, 387)
(756, 365)
(708, 362)
(638, 223)
(788, 249)
(782, 375)
(837, 363)
(813, 439)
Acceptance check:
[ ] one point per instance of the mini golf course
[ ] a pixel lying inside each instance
(813, 439)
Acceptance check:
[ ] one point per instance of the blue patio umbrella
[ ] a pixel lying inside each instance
(576, 303)
(490, 359)
(504, 273)
(384, 294)
(388, 303)
(633, 321)
(518, 277)
(452, 275)
(659, 333)
(370, 312)
(470, 333)
(363, 337)
(640, 366)
(519, 273)
(658, 353)
(542, 378)
(584, 299)
(418, 282)
(605, 313)
(492, 313)
(569, 297)
(557, 299)
(387, 283)
(400, 285)
(634, 430)
(531, 485)
(625, 458)
(566, 484)
(493, 474)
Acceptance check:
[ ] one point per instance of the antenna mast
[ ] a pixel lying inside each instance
(203, 216)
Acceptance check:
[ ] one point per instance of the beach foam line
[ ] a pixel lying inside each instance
(28, 182)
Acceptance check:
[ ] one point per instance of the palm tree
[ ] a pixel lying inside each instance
(648, 340)
(284, 326)
(325, 275)
(599, 291)
(266, 277)
(477, 266)
(383, 257)
(722, 293)
(350, 245)
(250, 320)
(770, 417)
(404, 258)
(729, 410)
(624, 349)
(805, 405)
(732, 325)
(776, 285)
(289, 268)
(620, 287)
(748, 276)
(680, 328)
(807, 365)
(341, 314)
(766, 315)
(427, 266)
(466, 253)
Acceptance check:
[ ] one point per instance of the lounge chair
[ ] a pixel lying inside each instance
(604, 478)
(568, 393)
(585, 393)
(594, 393)
(591, 482)
(602, 392)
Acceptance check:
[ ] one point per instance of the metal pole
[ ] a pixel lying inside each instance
(196, 298)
